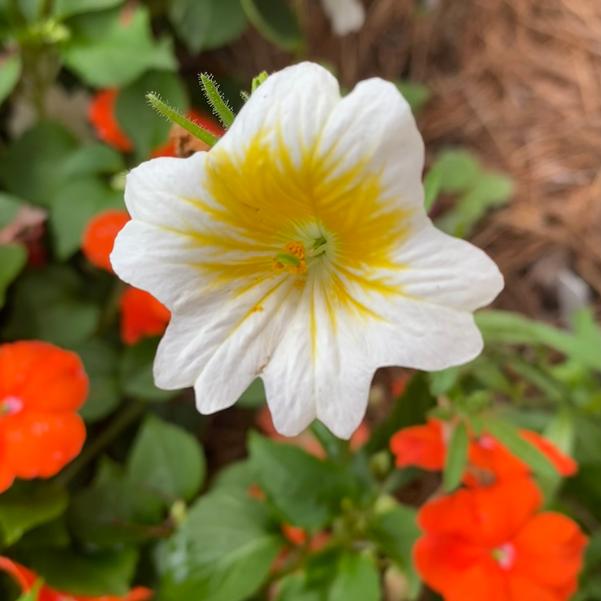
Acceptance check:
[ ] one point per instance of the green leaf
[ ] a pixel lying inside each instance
(512, 328)
(73, 206)
(409, 409)
(207, 24)
(167, 460)
(92, 159)
(12, 260)
(356, 579)
(31, 167)
(508, 435)
(457, 170)
(140, 123)
(416, 94)
(305, 490)
(489, 191)
(10, 71)
(27, 505)
(114, 49)
(9, 207)
(101, 362)
(222, 552)
(50, 304)
(86, 572)
(393, 527)
(136, 372)
(456, 459)
(254, 395)
(431, 188)
(68, 8)
(115, 510)
(275, 21)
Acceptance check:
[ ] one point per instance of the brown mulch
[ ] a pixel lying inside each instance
(518, 81)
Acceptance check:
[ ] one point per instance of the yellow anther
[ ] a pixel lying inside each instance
(292, 260)
(296, 249)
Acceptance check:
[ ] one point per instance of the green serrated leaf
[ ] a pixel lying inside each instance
(456, 459)
(31, 166)
(305, 490)
(90, 573)
(26, 506)
(223, 551)
(113, 48)
(275, 21)
(167, 460)
(72, 207)
(207, 24)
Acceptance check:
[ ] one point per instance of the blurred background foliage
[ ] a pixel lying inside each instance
(160, 495)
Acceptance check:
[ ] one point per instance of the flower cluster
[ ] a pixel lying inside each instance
(490, 539)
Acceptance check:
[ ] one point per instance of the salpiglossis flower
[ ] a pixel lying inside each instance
(298, 250)
(41, 389)
(27, 580)
(491, 543)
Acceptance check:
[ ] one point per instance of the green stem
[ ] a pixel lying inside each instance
(216, 100)
(128, 415)
(173, 115)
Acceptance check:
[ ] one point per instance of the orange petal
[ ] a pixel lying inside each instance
(142, 315)
(40, 444)
(102, 116)
(564, 464)
(421, 446)
(490, 516)
(99, 237)
(42, 376)
(549, 550)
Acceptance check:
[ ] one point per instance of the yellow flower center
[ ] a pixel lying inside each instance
(292, 259)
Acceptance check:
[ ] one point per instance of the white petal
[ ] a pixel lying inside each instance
(159, 261)
(374, 124)
(447, 271)
(223, 345)
(292, 104)
(159, 192)
(346, 15)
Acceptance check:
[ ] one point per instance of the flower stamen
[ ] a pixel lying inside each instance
(10, 405)
(504, 556)
(293, 260)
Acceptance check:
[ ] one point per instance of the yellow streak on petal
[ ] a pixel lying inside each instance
(264, 200)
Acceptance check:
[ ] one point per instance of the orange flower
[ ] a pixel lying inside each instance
(99, 237)
(26, 579)
(490, 543)
(141, 315)
(425, 447)
(102, 116)
(41, 389)
(422, 446)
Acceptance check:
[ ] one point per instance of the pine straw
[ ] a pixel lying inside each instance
(519, 81)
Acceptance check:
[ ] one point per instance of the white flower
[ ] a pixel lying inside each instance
(346, 16)
(298, 250)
